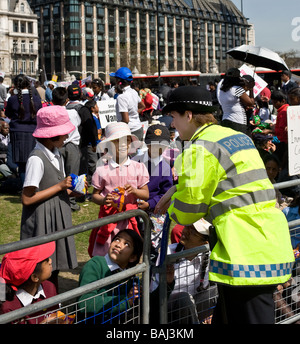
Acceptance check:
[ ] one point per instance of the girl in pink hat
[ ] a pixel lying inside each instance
(117, 185)
(45, 196)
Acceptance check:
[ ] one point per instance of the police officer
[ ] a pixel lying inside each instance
(223, 179)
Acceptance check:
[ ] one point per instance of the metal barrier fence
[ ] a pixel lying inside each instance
(287, 297)
(143, 268)
(185, 305)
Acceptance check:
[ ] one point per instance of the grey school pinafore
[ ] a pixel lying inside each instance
(51, 216)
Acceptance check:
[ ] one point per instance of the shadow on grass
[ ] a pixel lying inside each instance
(15, 199)
(68, 280)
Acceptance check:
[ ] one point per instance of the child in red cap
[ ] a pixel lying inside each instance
(27, 272)
(45, 196)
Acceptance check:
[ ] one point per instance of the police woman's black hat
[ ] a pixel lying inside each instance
(191, 98)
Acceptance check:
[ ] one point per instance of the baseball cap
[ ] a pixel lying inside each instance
(88, 92)
(157, 134)
(17, 266)
(74, 92)
(123, 73)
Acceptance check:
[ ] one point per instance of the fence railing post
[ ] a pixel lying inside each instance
(144, 268)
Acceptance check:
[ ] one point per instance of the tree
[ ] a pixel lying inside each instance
(291, 58)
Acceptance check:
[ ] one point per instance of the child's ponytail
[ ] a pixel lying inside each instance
(21, 82)
(21, 111)
(32, 107)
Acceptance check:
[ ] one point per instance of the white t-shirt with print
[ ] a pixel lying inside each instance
(232, 108)
(128, 102)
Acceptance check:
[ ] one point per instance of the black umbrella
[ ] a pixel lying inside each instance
(258, 57)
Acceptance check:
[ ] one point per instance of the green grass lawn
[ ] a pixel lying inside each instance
(10, 220)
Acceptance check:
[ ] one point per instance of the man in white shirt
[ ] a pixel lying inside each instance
(129, 103)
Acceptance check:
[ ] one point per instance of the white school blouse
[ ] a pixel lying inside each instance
(35, 167)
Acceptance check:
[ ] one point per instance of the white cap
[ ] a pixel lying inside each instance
(202, 226)
(52, 83)
(88, 91)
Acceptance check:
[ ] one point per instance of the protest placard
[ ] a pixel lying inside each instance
(293, 123)
(107, 112)
(54, 78)
(260, 84)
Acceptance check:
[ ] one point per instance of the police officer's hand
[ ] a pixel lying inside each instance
(164, 203)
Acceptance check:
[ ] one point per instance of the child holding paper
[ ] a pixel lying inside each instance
(117, 185)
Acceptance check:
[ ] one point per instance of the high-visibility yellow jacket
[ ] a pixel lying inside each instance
(223, 179)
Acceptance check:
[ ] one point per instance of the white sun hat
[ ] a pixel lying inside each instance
(117, 130)
(202, 226)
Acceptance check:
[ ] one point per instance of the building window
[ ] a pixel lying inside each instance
(16, 26)
(24, 66)
(22, 8)
(15, 66)
(89, 27)
(56, 10)
(31, 47)
(23, 27)
(30, 27)
(89, 10)
(46, 12)
(23, 47)
(31, 66)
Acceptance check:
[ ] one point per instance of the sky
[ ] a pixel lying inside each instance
(276, 23)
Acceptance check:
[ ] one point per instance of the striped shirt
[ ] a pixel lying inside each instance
(232, 108)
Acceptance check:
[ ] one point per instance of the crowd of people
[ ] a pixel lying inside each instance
(49, 134)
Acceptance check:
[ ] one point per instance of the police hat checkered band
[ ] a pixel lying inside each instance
(200, 102)
(251, 271)
(193, 98)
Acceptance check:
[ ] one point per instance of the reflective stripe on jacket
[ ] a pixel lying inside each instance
(222, 178)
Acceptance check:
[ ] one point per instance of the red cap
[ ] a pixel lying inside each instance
(148, 100)
(266, 93)
(17, 266)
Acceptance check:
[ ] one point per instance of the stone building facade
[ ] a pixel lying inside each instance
(97, 37)
(18, 39)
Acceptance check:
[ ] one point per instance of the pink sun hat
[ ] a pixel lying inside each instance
(52, 121)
